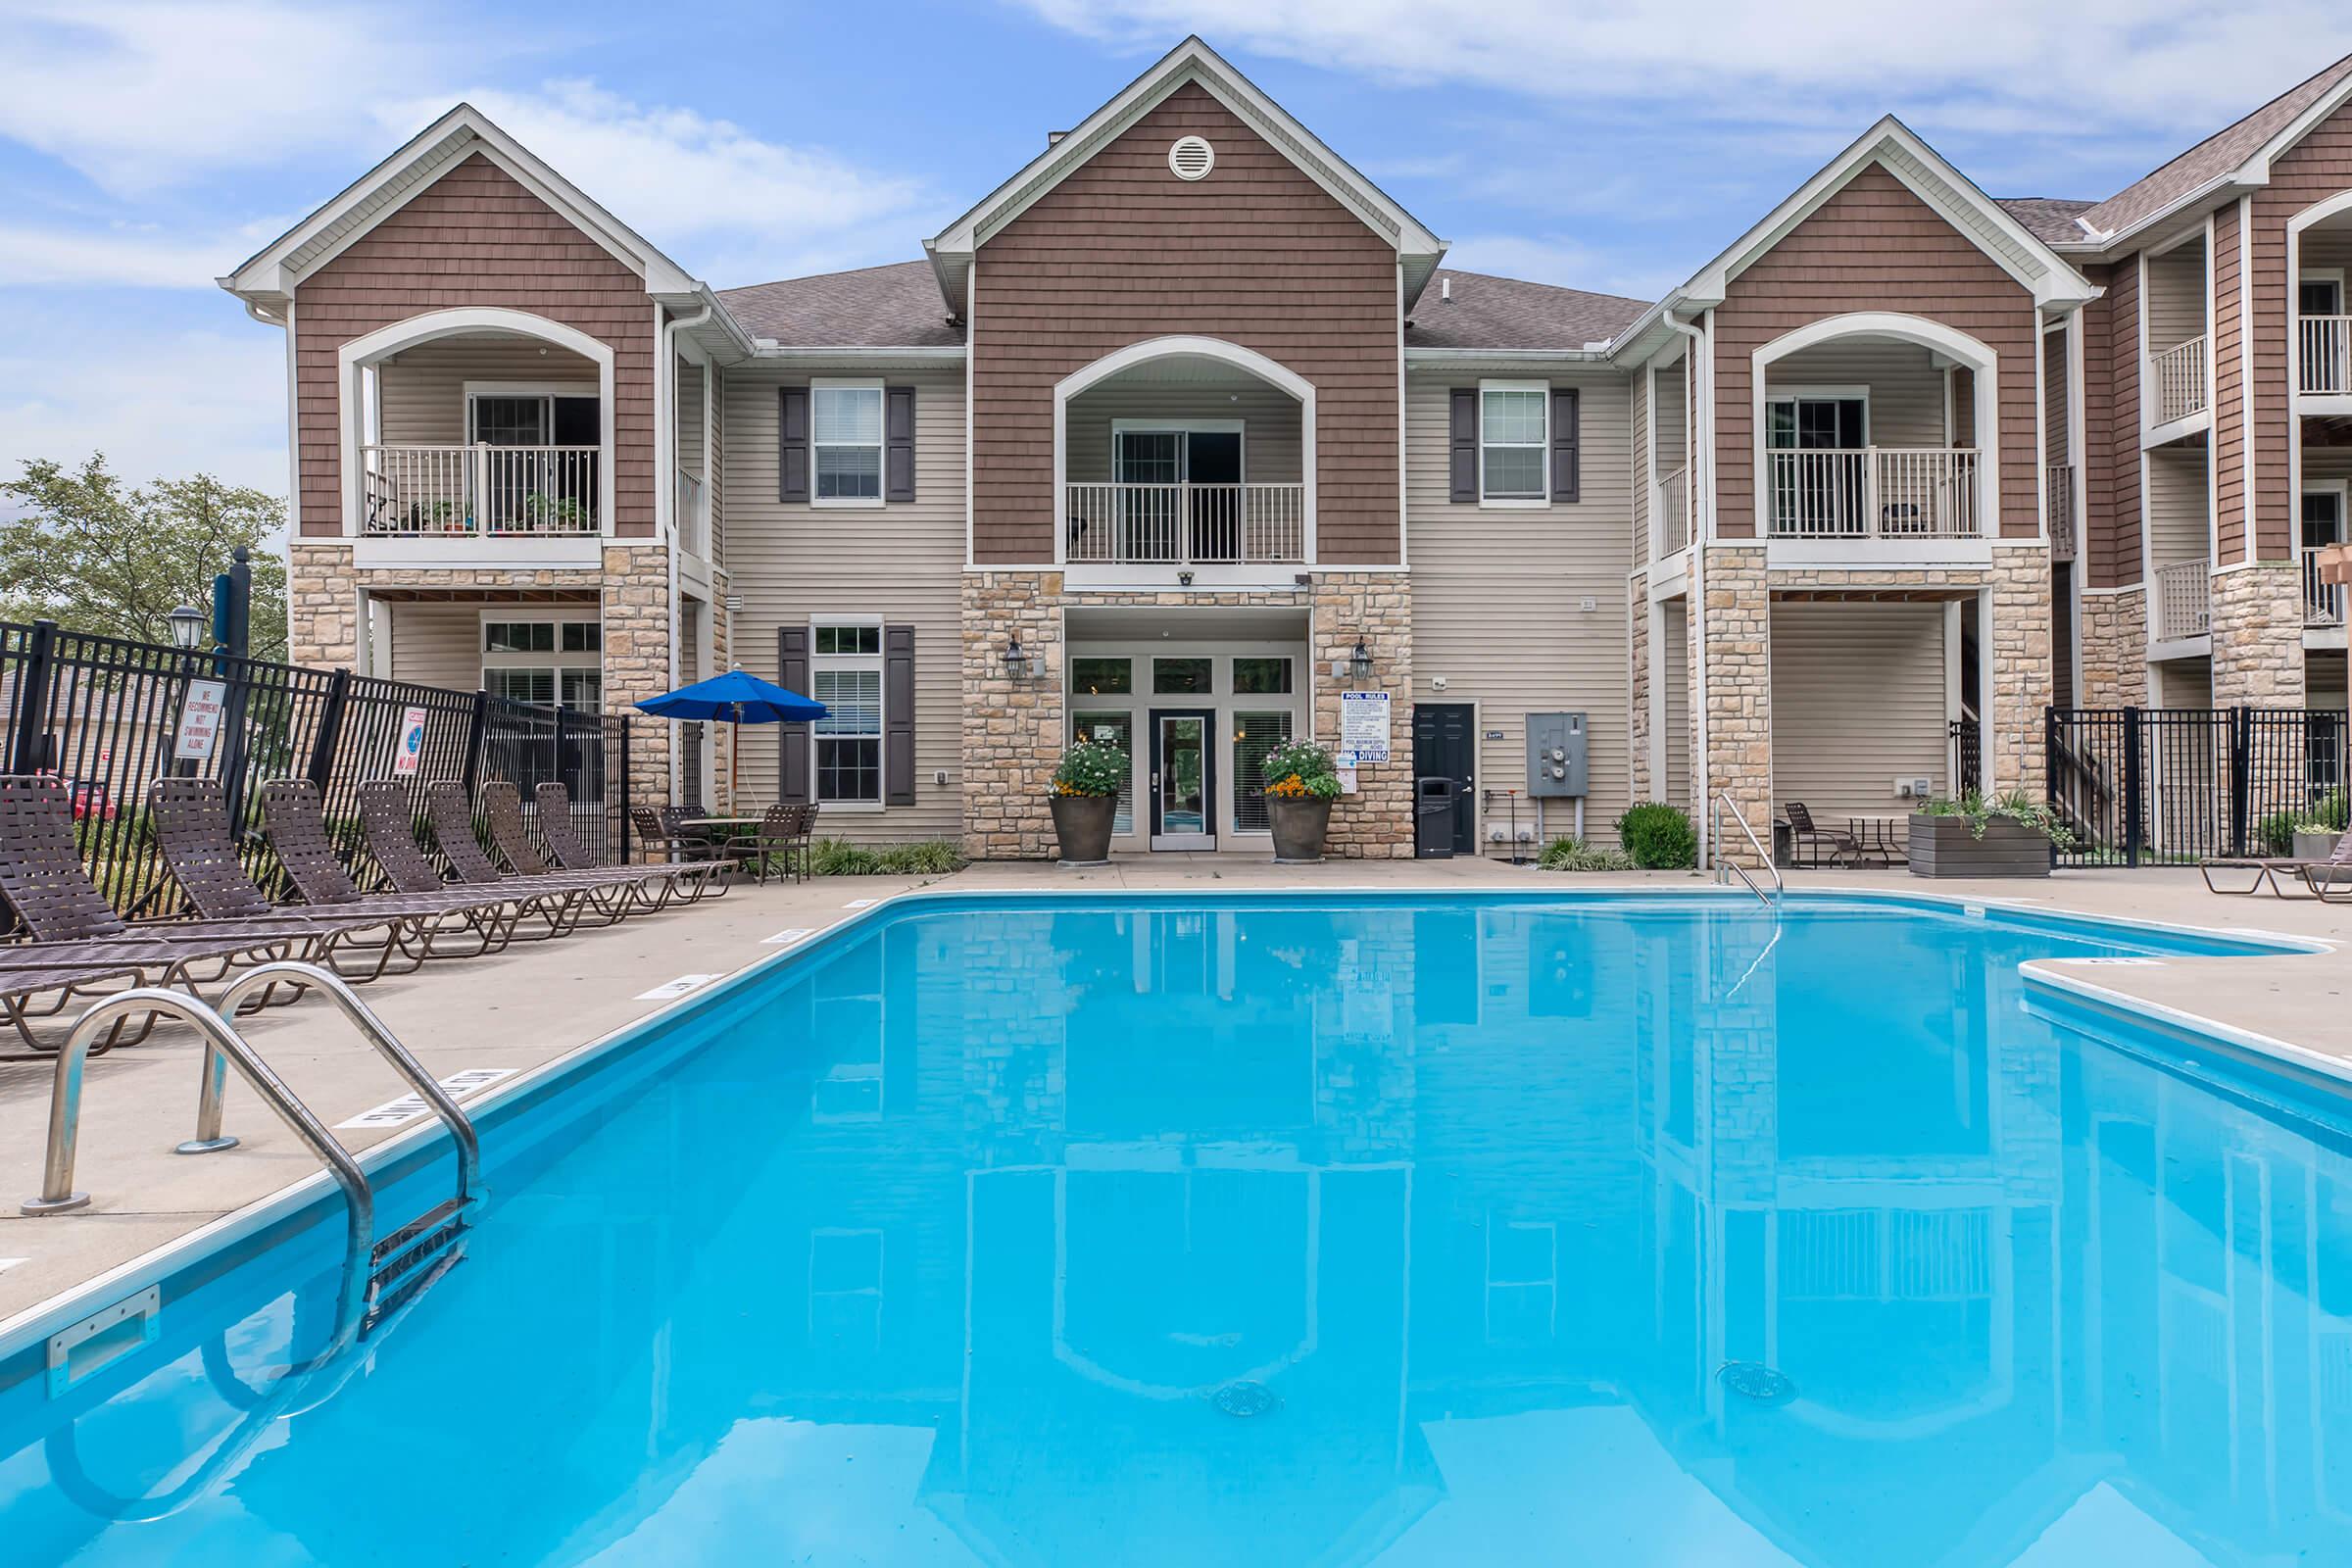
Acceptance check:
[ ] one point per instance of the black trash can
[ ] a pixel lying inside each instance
(1433, 818)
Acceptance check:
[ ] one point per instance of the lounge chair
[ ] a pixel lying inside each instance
(390, 823)
(295, 823)
(189, 819)
(2328, 879)
(1842, 847)
(693, 879)
(617, 890)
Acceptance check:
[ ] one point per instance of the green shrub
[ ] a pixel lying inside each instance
(1658, 837)
(839, 858)
(930, 858)
(2276, 833)
(1575, 854)
(2017, 805)
(2334, 811)
(1091, 769)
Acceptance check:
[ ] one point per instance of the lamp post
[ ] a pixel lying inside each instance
(1359, 663)
(1017, 660)
(187, 625)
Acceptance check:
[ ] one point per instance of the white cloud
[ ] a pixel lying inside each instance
(171, 405)
(34, 255)
(2007, 65)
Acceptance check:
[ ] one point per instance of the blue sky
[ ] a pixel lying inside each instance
(147, 147)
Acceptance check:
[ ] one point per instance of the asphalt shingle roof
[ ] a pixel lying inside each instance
(1504, 313)
(2215, 155)
(897, 306)
(2048, 218)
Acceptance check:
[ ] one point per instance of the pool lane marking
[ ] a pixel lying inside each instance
(799, 933)
(408, 1107)
(862, 903)
(2123, 964)
(6, 1263)
(670, 990)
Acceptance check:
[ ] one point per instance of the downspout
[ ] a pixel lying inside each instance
(1700, 420)
(668, 439)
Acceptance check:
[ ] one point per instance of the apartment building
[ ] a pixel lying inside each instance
(1186, 435)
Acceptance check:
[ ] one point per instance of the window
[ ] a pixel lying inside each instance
(545, 661)
(1102, 677)
(1262, 677)
(2320, 294)
(845, 673)
(1821, 493)
(1253, 736)
(845, 438)
(1513, 438)
(1180, 677)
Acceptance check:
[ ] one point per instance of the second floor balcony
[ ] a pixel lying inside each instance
(2177, 382)
(2323, 355)
(2322, 601)
(1185, 523)
(2183, 601)
(441, 491)
(1874, 493)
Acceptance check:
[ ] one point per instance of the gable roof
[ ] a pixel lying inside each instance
(2219, 157)
(1477, 311)
(271, 272)
(2048, 218)
(895, 306)
(1192, 60)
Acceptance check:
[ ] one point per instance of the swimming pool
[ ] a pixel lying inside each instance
(1289, 1229)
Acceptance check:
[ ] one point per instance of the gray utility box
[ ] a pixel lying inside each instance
(1556, 760)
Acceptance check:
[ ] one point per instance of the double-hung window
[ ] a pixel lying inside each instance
(845, 673)
(845, 440)
(1514, 438)
(544, 662)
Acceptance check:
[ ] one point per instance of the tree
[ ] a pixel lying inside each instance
(79, 547)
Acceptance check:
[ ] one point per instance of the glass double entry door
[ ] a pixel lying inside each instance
(1183, 786)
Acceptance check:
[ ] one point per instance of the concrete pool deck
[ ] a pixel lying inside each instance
(539, 1002)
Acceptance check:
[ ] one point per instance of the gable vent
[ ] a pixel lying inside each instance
(1191, 158)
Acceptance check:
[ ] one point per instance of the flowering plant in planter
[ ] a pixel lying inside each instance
(1300, 771)
(1979, 812)
(1091, 769)
(1085, 797)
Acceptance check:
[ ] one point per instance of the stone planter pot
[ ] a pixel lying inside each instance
(1299, 827)
(1942, 846)
(1083, 823)
(2314, 844)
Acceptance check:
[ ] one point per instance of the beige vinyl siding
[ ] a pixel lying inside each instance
(2176, 296)
(1675, 673)
(2180, 505)
(2324, 681)
(1497, 597)
(2323, 466)
(1638, 429)
(1858, 701)
(1672, 414)
(421, 395)
(1905, 389)
(901, 563)
(690, 419)
(1271, 447)
(2184, 683)
(441, 645)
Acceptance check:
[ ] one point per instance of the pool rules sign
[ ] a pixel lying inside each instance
(1363, 734)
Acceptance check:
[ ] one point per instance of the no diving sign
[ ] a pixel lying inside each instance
(411, 750)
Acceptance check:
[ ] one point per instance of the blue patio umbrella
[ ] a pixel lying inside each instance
(734, 698)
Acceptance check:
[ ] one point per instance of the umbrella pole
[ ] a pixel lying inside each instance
(735, 760)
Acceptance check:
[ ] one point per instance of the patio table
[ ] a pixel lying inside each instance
(1882, 836)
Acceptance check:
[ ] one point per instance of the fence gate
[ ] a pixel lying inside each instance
(2171, 786)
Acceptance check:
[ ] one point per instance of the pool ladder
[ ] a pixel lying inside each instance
(1724, 802)
(379, 1277)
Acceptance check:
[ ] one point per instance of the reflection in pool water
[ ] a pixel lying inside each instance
(1351, 1234)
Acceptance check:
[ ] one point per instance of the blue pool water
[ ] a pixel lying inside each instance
(1281, 1232)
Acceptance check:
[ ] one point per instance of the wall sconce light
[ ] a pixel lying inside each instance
(1018, 662)
(187, 624)
(1359, 663)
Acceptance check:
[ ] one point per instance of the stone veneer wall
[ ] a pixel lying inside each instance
(322, 607)
(1731, 640)
(1013, 734)
(2013, 746)
(2258, 636)
(2115, 649)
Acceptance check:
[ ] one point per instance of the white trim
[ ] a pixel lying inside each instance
(881, 495)
(971, 338)
(1250, 361)
(1183, 426)
(2140, 312)
(1543, 447)
(365, 353)
(1932, 335)
(2213, 464)
(1403, 447)
(879, 662)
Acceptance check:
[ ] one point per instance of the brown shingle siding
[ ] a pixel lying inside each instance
(1873, 246)
(473, 237)
(1122, 251)
(2229, 389)
(2317, 166)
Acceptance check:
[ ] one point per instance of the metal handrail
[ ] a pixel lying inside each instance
(1723, 801)
(58, 1196)
(371, 1029)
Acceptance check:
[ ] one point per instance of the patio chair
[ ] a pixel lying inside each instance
(782, 836)
(190, 817)
(1843, 850)
(390, 825)
(2264, 872)
(615, 891)
(693, 880)
(294, 822)
(659, 832)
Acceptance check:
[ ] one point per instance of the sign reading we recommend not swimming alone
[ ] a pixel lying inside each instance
(199, 720)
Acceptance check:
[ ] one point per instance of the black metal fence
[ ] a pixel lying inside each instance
(2171, 786)
(110, 717)
(1965, 739)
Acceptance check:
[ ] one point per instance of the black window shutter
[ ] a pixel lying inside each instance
(793, 740)
(1567, 466)
(1462, 461)
(898, 443)
(898, 715)
(792, 445)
